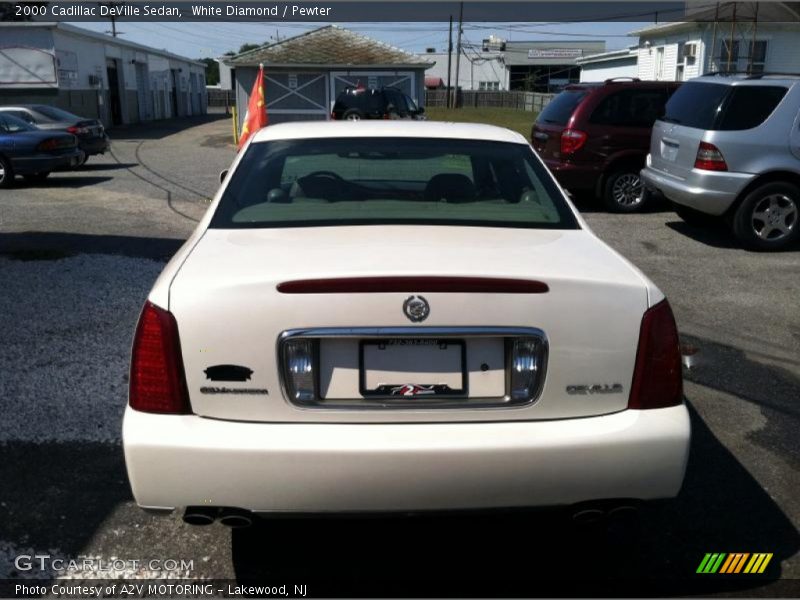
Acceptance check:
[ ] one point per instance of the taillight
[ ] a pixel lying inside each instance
(572, 140)
(657, 378)
(709, 158)
(47, 145)
(526, 368)
(299, 369)
(157, 381)
(78, 130)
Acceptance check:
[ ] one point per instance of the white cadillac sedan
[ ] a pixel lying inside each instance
(399, 316)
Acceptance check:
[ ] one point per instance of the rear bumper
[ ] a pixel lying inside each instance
(710, 192)
(188, 460)
(44, 163)
(94, 145)
(574, 176)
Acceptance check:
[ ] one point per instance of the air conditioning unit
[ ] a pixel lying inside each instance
(690, 50)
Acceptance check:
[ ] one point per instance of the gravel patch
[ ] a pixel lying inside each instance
(66, 329)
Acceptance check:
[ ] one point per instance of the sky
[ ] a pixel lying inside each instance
(197, 40)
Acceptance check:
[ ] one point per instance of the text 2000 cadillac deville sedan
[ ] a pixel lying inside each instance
(399, 317)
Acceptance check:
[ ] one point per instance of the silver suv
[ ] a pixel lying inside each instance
(729, 146)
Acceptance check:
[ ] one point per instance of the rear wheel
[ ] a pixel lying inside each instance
(83, 158)
(767, 218)
(6, 173)
(37, 176)
(624, 191)
(693, 216)
(352, 114)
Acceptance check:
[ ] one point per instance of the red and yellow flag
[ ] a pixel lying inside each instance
(256, 116)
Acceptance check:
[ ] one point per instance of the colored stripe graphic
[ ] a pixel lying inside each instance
(734, 563)
(723, 563)
(711, 562)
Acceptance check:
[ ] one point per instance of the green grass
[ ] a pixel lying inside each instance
(511, 118)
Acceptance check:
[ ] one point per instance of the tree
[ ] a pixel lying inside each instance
(247, 47)
(212, 71)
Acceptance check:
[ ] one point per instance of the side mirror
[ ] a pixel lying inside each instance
(222, 175)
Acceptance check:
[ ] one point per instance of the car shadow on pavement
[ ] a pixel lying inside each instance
(775, 390)
(155, 130)
(714, 234)
(106, 166)
(720, 509)
(60, 180)
(45, 245)
(55, 496)
(589, 203)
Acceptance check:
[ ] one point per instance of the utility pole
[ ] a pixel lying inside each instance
(449, 60)
(458, 50)
(733, 32)
(113, 16)
(753, 42)
(714, 42)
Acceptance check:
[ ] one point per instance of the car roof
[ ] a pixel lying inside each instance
(613, 84)
(383, 129)
(745, 79)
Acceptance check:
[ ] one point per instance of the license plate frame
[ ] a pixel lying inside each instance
(413, 390)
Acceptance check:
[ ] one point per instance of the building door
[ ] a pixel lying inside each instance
(143, 92)
(295, 96)
(114, 101)
(174, 93)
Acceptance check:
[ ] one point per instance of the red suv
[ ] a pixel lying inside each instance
(595, 137)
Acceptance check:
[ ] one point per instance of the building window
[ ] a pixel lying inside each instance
(680, 62)
(659, 71)
(742, 56)
(489, 86)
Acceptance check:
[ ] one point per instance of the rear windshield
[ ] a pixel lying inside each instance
(696, 105)
(56, 114)
(360, 181)
(560, 108)
(715, 107)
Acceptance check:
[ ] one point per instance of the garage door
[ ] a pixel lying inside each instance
(402, 80)
(296, 96)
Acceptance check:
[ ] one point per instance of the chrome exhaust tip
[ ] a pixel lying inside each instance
(200, 515)
(235, 517)
(588, 516)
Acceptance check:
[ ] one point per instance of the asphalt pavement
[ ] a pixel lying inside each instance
(78, 254)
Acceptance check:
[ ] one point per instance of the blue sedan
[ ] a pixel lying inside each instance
(33, 153)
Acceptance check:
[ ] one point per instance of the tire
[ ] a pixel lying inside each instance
(37, 176)
(767, 218)
(6, 173)
(624, 191)
(693, 216)
(352, 114)
(83, 160)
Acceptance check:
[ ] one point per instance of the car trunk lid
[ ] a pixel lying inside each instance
(231, 317)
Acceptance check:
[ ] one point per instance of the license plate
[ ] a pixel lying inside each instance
(413, 368)
(669, 150)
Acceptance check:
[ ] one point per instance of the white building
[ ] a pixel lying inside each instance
(607, 65)
(477, 69)
(95, 75)
(751, 43)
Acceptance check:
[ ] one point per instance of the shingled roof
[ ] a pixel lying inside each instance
(328, 46)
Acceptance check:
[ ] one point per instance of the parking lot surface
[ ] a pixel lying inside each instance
(78, 254)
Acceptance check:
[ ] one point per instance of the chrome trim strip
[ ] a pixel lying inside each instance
(373, 332)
